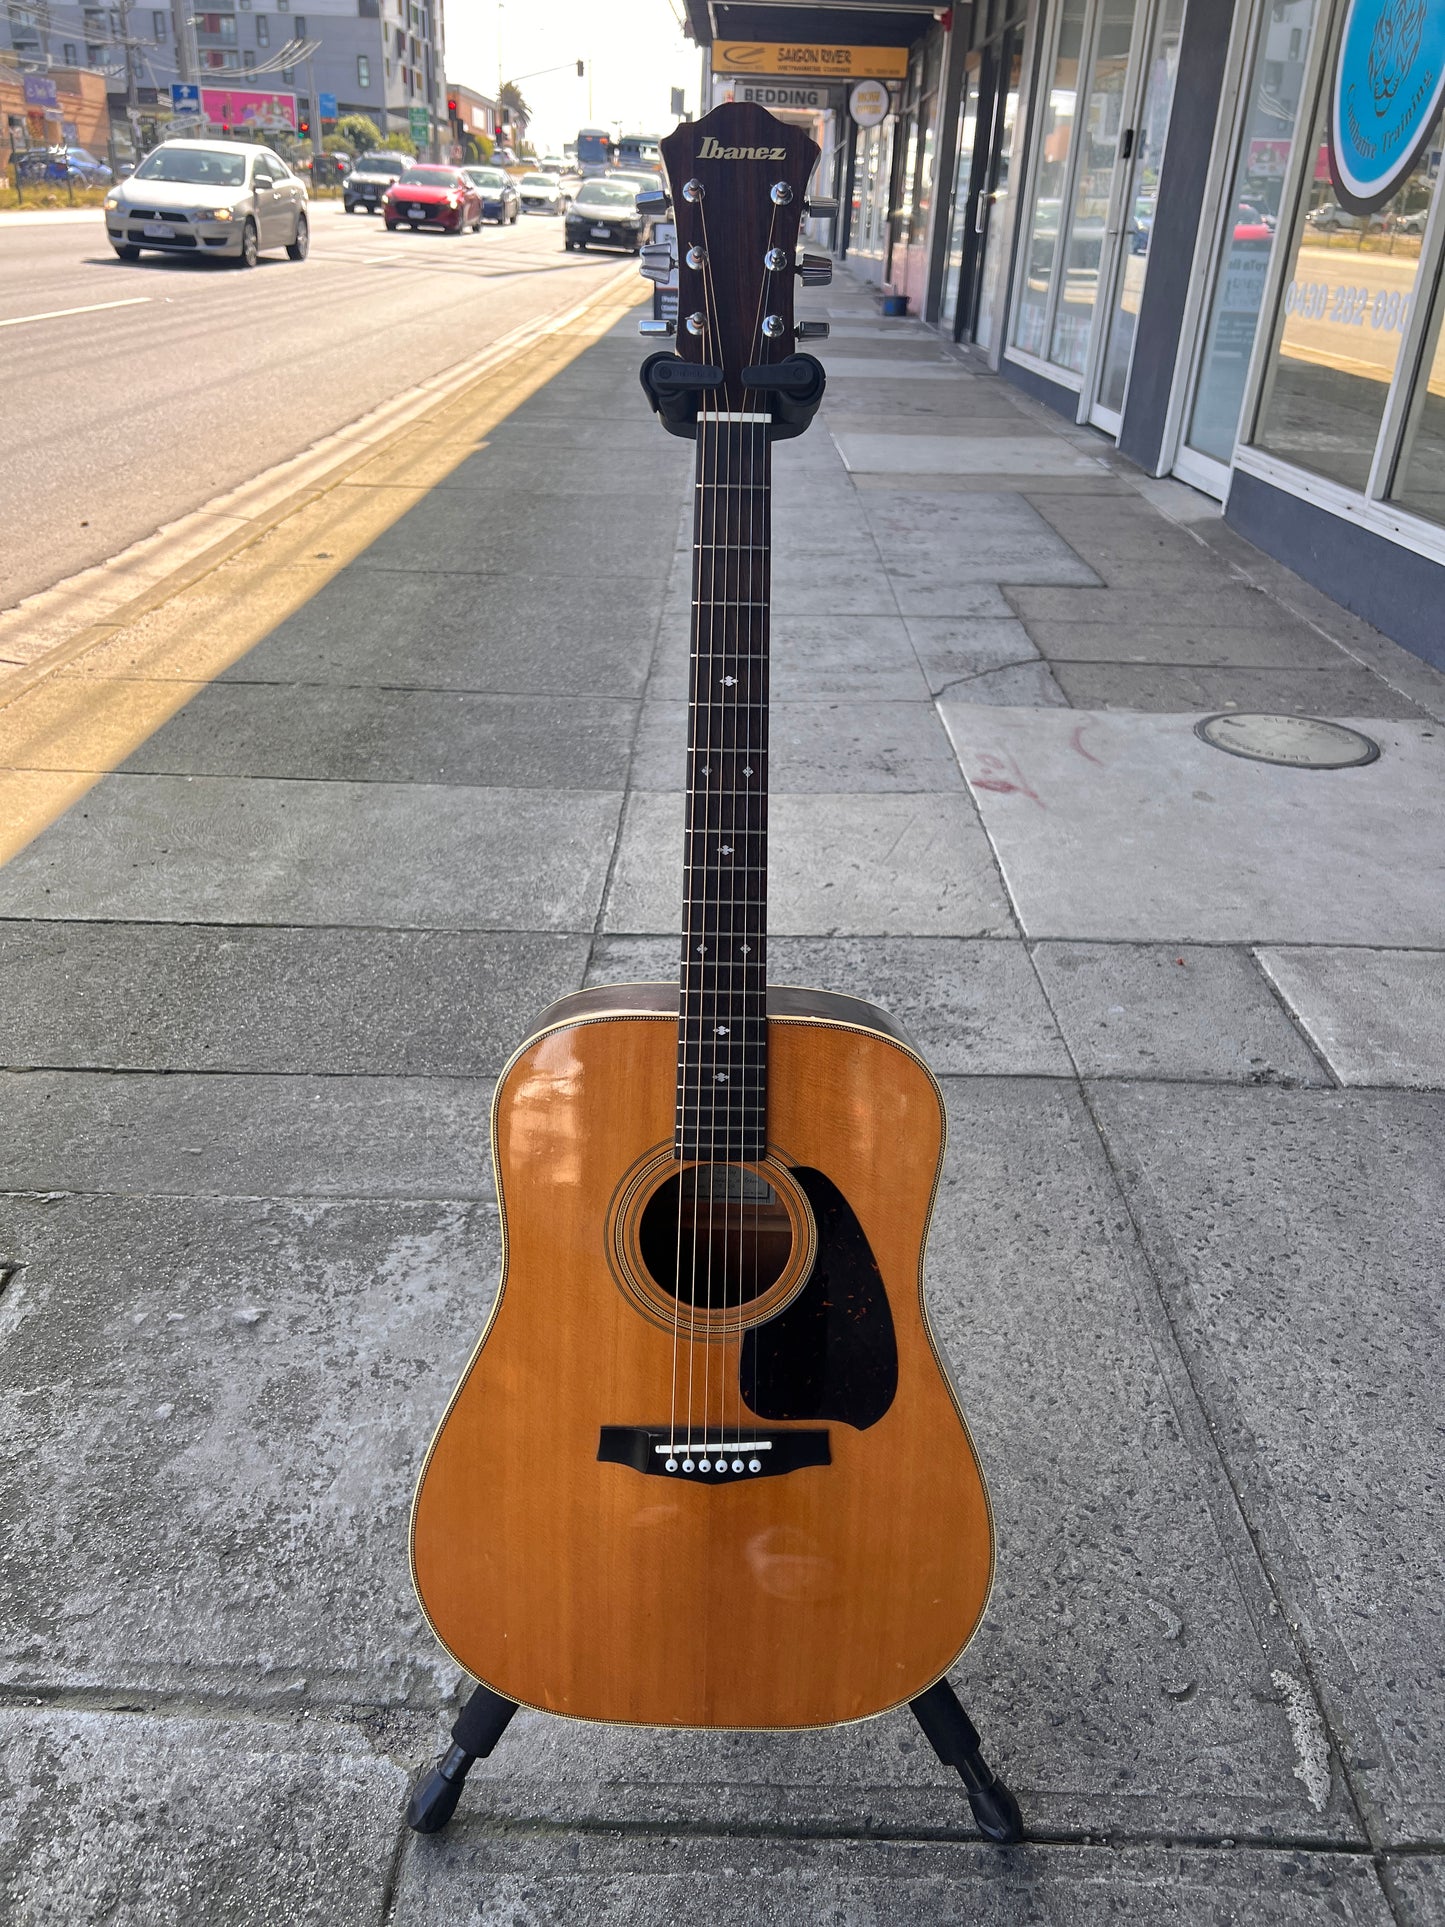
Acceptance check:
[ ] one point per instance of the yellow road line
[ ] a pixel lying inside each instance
(88, 706)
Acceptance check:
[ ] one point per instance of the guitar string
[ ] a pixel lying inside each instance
(703, 721)
(689, 970)
(715, 723)
(759, 506)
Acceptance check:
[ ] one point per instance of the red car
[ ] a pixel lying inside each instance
(432, 197)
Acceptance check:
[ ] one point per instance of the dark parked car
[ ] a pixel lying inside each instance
(433, 197)
(500, 200)
(605, 215)
(69, 163)
(367, 183)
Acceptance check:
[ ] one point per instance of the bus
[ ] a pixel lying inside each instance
(596, 150)
(640, 152)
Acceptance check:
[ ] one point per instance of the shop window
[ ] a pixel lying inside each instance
(1099, 128)
(1420, 473)
(1056, 133)
(1252, 216)
(1343, 311)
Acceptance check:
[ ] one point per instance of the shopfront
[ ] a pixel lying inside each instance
(1210, 228)
(1227, 254)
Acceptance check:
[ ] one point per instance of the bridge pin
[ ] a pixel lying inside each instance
(704, 1465)
(737, 1465)
(671, 1465)
(755, 1465)
(687, 1465)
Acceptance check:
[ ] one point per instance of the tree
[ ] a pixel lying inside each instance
(509, 96)
(398, 144)
(360, 133)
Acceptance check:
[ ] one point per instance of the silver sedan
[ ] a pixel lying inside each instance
(226, 198)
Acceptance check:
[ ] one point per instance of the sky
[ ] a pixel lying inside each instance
(635, 50)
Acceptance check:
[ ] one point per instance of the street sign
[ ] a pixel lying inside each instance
(186, 98)
(40, 92)
(328, 106)
(420, 125)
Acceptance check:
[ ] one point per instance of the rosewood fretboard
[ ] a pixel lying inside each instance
(722, 1038)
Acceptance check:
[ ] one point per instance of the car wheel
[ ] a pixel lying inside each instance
(126, 251)
(301, 246)
(515, 212)
(391, 227)
(250, 245)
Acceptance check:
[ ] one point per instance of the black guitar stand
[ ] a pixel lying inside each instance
(948, 1729)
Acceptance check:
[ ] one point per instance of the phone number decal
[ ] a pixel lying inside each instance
(1349, 307)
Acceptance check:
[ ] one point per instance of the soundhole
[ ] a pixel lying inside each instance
(715, 1235)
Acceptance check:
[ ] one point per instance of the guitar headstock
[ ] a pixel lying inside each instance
(738, 180)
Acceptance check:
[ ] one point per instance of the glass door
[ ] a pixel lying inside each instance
(1134, 217)
(961, 213)
(986, 237)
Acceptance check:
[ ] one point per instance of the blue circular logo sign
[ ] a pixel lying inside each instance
(1388, 91)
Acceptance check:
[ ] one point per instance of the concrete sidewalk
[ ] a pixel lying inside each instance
(1187, 1010)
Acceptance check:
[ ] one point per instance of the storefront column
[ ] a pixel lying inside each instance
(1183, 183)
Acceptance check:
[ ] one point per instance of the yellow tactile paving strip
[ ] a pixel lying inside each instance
(89, 703)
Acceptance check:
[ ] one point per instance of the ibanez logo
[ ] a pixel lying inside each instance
(713, 150)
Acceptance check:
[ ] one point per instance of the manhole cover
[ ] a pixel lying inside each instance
(1301, 742)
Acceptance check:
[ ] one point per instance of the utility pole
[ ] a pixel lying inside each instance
(132, 105)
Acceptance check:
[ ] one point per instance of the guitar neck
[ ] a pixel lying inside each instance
(722, 1035)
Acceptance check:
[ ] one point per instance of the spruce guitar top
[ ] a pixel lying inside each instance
(706, 1467)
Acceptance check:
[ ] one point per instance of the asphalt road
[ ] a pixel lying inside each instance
(120, 419)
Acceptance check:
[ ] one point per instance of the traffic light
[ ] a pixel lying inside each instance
(452, 108)
(305, 127)
(581, 69)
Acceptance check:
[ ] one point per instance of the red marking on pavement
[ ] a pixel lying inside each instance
(1077, 739)
(1008, 780)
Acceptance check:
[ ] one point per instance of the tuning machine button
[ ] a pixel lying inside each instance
(814, 270)
(812, 330)
(657, 261)
(657, 327)
(653, 201)
(825, 207)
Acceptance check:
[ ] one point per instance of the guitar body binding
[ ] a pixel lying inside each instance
(843, 1581)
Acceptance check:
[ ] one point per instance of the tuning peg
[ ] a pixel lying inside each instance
(814, 270)
(654, 200)
(812, 331)
(657, 327)
(824, 207)
(657, 261)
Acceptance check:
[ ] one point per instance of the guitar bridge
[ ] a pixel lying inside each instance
(712, 1461)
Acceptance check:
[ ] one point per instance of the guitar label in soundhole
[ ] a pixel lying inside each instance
(715, 1229)
(718, 1245)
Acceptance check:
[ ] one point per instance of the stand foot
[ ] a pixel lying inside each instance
(479, 1725)
(954, 1738)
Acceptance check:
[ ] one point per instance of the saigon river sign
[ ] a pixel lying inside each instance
(1389, 84)
(805, 62)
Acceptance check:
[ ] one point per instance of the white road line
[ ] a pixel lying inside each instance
(58, 314)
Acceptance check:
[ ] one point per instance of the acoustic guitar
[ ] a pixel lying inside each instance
(706, 1467)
